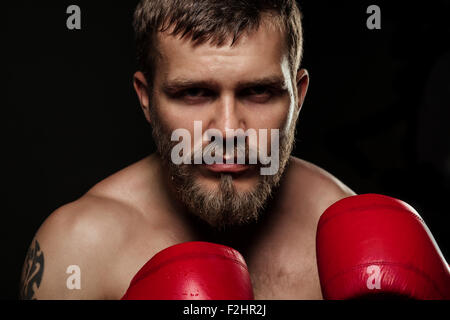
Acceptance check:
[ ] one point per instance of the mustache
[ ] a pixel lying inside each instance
(233, 149)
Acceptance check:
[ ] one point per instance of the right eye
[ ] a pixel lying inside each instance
(194, 95)
(194, 92)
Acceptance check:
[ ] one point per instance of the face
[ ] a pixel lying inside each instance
(244, 86)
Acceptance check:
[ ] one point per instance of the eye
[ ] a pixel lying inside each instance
(258, 94)
(260, 90)
(194, 92)
(194, 95)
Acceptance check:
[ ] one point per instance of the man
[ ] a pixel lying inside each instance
(228, 65)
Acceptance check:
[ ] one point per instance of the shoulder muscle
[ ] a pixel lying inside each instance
(68, 255)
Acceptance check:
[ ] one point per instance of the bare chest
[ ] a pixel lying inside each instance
(288, 274)
(281, 264)
(273, 276)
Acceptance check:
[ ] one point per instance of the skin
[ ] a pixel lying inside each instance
(118, 225)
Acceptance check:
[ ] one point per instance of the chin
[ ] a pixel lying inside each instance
(240, 183)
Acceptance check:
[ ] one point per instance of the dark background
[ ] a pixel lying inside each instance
(376, 114)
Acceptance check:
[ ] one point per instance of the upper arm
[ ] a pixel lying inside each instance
(63, 259)
(32, 271)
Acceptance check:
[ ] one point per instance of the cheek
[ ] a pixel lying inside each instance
(275, 117)
(173, 117)
(271, 116)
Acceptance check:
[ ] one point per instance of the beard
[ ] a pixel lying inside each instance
(223, 206)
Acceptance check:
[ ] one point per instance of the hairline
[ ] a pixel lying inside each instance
(274, 22)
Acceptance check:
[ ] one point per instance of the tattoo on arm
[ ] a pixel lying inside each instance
(32, 272)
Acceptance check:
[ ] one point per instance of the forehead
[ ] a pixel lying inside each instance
(255, 54)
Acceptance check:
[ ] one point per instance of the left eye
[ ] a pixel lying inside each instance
(258, 94)
(258, 91)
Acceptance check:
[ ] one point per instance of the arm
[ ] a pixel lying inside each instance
(33, 269)
(69, 239)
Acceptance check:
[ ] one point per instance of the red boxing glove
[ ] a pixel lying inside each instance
(374, 246)
(192, 271)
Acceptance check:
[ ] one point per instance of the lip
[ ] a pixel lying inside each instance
(227, 167)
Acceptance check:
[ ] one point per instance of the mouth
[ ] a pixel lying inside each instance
(239, 172)
(226, 168)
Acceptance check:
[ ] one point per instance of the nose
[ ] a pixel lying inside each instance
(227, 116)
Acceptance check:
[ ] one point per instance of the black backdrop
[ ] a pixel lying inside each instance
(376, 114)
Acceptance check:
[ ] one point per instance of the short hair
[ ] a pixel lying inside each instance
(213, 21)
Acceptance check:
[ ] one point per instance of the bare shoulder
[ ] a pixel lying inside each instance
(77, 239)
(316, 174)
(83, 236)
(315, 186)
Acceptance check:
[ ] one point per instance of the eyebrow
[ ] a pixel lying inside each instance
(271, 81)
(179, 84)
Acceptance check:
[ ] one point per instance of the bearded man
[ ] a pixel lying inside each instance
(235, 67)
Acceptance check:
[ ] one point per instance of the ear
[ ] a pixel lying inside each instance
(141, 88)
(302, 86)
